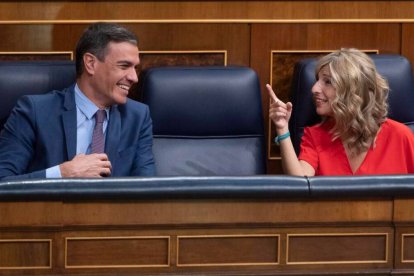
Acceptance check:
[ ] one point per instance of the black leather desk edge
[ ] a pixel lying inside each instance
(249, 187)
(155, 188)
(362, 186)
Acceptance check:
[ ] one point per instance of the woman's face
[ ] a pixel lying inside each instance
(324, 93)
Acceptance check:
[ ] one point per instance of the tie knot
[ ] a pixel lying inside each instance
(100, 116)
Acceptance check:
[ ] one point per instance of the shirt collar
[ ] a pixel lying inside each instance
(86, 106)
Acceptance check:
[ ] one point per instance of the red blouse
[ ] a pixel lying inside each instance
(393, 152)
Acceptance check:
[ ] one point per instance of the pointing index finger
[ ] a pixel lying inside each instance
(271, 93)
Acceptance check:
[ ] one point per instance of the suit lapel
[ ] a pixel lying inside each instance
(113, 135)
(69, 122)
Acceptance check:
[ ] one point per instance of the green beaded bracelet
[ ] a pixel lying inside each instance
(281, 137)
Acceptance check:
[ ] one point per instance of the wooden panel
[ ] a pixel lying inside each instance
(407, 249)
(407, 41)
(403, 210)
(219, 237)
(204, 10)
(99, 252)
(227, 250)
(226, 211)
(41, 213)
(19, 38)
(337, 248)
(232, 38)
(404, 247)
(24, 254)
(183, 58)
(35, 56)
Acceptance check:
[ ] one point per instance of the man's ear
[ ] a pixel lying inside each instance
(90, 61)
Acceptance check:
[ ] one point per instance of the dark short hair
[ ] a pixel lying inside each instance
(96, 38)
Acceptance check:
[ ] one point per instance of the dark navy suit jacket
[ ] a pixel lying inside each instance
(41, 133)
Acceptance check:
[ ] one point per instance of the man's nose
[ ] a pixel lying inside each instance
(132, 75)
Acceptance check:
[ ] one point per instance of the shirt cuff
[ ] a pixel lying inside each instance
(53, 172)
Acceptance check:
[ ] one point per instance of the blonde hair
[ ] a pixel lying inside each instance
(360, 105)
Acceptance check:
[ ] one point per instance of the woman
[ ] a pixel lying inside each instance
(355, 136)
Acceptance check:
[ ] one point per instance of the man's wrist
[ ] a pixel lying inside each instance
(53, 172)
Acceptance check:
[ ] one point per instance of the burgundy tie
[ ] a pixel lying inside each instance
(98, 142)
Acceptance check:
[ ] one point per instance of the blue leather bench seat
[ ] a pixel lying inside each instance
(28, 78)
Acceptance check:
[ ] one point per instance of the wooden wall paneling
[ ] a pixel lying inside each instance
(119, 252)
(182, 58)
(28, 37)
(331, 248)
(35, 56)
(234, 38)
(407, 41)
(206, 10)
(38, 247)
(407, 248)
(404, 218)
(311, 38)
(251, 236)
(14, 254)
(404, 246)
(222, 250)
(40, 37)
(13, 214)
(208, 212)
(346, 248)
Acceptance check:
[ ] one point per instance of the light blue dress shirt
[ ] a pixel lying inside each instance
(85, 111)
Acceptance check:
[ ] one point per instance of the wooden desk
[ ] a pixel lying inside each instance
(218, 237)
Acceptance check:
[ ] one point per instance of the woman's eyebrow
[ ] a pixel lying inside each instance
(326, 75)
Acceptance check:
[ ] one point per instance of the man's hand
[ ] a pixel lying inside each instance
(279, 112)
(91, 165)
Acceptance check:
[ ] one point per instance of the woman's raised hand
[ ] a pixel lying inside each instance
(279, 112)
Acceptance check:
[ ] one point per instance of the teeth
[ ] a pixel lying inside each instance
(125, 87)
(321, 100)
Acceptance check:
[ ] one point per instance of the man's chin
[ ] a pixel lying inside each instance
(121, 100)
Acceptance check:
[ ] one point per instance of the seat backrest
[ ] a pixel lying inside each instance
(18, 78)
(395, 68)
(206, 120)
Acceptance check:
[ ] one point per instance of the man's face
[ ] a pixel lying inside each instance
(115, 75)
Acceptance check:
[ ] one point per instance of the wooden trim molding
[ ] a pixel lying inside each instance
(227, 242)
(38, 53)
(112, 240)
(403, 259)
(289, 238)
(208, 21)
(26, 242)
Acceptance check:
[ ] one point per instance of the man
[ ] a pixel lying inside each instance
(57, 135)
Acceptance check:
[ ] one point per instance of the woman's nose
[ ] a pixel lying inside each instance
(316, 87)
